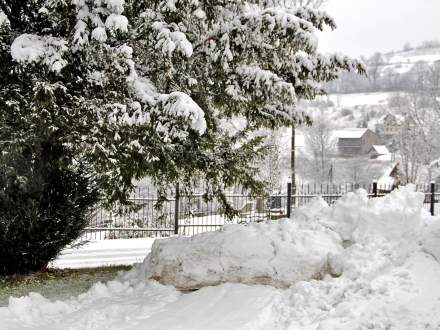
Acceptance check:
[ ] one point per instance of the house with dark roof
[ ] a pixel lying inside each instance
(391, 124)
(356, 141)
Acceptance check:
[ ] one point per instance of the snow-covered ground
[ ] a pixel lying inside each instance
(105, 253)
(359, 99)
(383, 272)
(402, 62)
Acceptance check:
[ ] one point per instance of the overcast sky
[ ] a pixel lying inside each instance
(366, 26)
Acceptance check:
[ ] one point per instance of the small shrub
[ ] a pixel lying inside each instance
(44, 205)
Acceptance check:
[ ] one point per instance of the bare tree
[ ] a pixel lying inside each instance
(419, 138)
(411, 155)
(434, 85)
(407, 47)
(319, 143)
(374, 64)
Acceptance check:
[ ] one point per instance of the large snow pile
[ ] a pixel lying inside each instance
(283, 253)
(385, 271)
(278, 254)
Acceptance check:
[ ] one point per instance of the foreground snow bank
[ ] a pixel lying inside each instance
(397, 216)
(308, 246)
(431, 238)
(278, 254)
(387, 255)
(406, 297)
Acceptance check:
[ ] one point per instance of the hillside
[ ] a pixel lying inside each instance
(390, 72)
(403, 61)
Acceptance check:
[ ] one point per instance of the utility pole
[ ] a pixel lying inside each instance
(292, 161)
(330, 174)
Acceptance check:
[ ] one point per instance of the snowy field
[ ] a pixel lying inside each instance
(402, 62)
(358, 264)
(359, 99)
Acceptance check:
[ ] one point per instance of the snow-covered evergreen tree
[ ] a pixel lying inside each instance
(135, 88)
(115, 90)
(150, 81)
(252, 59)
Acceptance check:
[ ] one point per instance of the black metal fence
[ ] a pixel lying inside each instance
(183, 214)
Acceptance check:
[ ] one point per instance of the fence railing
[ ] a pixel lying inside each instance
(189, 214)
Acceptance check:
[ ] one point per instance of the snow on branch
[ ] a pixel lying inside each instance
(265, 82)
(168, 40)
(30, 48)
(318, 18)
(90, 16)
(117, 22)
(319, 67)
(280, 21)
(176, 105)
(180, 105)
(276, 17)
(4, 21)
(115, 6)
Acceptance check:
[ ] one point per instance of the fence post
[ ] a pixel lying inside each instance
(289, 199)
(176, 210)
(432, 207)
(375, 188)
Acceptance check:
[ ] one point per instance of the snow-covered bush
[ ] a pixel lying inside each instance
(42, 212)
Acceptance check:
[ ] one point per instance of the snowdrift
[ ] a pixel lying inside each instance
(309, 246)
(358, 264)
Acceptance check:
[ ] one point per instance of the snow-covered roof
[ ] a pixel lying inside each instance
(385, 182)
(382, 118)
(390, 169)
(380, 149)
(399, 118)
(385, 158)
(351, 133)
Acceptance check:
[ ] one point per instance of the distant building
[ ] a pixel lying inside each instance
(390, 124)
(378, 150)
(390, 179)
(356, 141)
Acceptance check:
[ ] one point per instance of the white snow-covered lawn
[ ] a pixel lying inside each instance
(97, 253)
(358, 99)
(358, 264)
